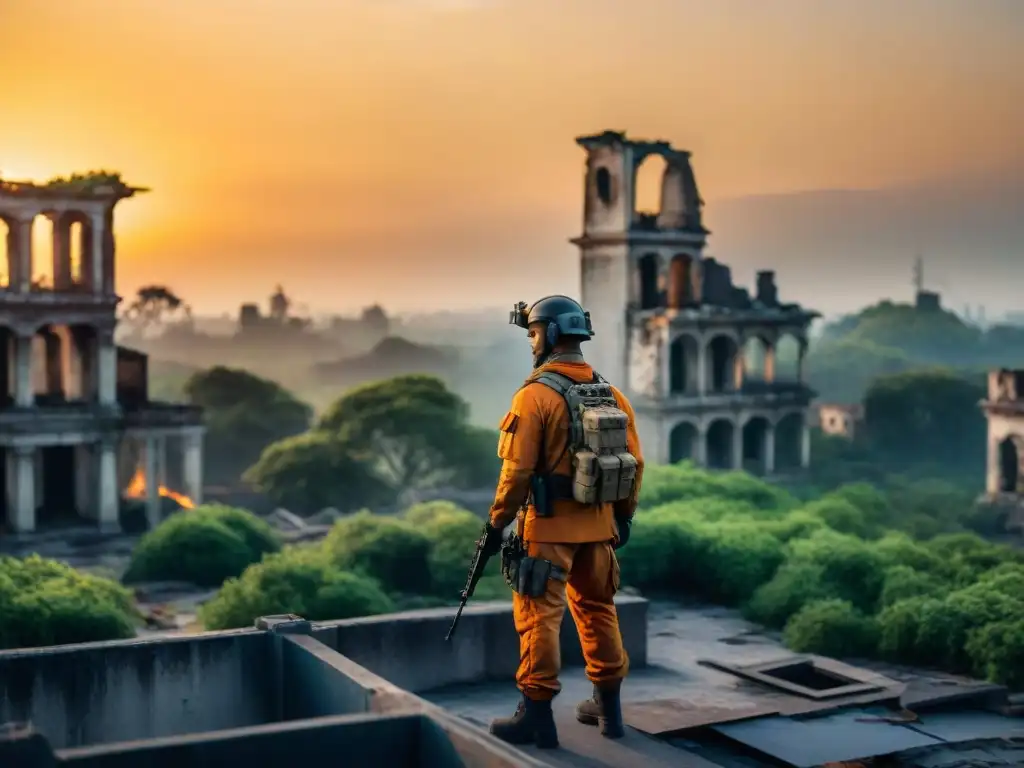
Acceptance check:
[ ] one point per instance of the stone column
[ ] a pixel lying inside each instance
(21, 264)
(96, 246)
(61, 252)
(24, 386)
(38, 479)
(700, 450)
(800, 355)
(805, 444)
(992, 468)
(86, 482)
(151, 469)
(769, 450)
(161, 462)
(193, 466)
(737, 445)
(107, 490)
(106, 355)
(703, 351)
(21, 489)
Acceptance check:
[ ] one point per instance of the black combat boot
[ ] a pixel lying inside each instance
(603, 709)
(533, 723)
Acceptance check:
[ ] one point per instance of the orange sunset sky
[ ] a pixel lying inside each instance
(421, 153)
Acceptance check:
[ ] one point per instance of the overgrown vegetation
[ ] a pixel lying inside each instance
(843, 574)
(43, 602)
(839, 575)
(204, 546)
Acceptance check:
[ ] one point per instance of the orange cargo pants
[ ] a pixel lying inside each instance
(593, 580)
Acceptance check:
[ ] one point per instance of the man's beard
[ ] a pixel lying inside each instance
(539, 358)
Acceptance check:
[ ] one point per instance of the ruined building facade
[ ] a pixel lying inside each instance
(74, 407)
(1004, 411)
(697, 354)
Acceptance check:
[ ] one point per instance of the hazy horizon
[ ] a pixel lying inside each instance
(420, 154)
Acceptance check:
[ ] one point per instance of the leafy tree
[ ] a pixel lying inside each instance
(414, 426)
(309, 472)
(926, 416)
(244, 414)
(154, 305)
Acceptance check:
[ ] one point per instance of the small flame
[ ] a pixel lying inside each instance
(137, 490)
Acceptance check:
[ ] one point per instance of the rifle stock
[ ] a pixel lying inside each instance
(476, 570)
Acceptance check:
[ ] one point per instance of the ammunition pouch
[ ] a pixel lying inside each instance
(545, 490)
(527, 576)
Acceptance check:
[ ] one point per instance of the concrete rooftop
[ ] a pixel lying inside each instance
(388, 690)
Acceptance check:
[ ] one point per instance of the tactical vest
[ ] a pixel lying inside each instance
(603, 469)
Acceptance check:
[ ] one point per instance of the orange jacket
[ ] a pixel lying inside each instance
(539, 419)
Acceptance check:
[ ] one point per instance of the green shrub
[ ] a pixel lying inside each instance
(873, 505)
(203, 546)
(899, 626)
(903, 582)
(679, 482)
(945, 626)
(299, 581)
(842, 516)
(387, 549)
(996, 652)
(452, 533)
(899, 549)
(44, 602)
(652, 560)
(427, 512)
(799, 524)
(966, 555)
(737, 559)
(832, 628)
(793, 586)
(851, 568)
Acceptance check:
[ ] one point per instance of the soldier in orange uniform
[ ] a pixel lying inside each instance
(570, 478)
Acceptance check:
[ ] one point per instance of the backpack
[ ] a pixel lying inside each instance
(603, 469)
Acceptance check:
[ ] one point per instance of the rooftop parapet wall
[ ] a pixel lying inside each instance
(99, 693)
(255, 696)
(139, 689)
(409, 649)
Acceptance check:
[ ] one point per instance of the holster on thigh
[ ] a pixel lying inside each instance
(527, 576)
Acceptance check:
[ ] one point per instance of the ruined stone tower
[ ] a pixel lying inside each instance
(699, 357)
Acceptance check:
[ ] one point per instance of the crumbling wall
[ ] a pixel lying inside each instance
(645, 354)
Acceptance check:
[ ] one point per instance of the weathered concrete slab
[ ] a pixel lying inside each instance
(670, 717)
(835, 738)
(968, 726)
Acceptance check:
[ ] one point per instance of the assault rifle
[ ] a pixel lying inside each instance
(476, 570)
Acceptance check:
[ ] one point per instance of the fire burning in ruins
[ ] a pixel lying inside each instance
(137, 490)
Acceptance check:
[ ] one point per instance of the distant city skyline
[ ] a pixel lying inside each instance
(420, 154)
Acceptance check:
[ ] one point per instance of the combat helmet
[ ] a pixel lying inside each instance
(565, 318)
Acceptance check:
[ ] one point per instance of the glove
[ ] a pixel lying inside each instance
(624, 524)
(492, 540)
